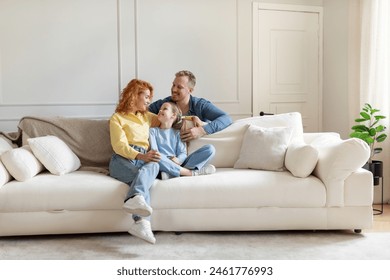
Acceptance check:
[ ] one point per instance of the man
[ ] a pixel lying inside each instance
(207, 117)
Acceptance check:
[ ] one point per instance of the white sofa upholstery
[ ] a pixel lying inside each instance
(337, 195)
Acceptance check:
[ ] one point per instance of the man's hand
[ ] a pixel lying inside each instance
(150, 156)
(192, 133)
(197, 121)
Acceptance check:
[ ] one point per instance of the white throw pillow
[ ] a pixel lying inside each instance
(5, 177)
(54, 154)
(264, 148)
(301, 159)
(21, 163)
(4, 145)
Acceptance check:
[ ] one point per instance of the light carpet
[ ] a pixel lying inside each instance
(266, 245)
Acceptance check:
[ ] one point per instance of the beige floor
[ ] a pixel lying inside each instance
(381, 222)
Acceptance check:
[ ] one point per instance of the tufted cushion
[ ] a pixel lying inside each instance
(54, 154)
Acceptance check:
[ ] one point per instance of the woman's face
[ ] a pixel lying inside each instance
(143, 101)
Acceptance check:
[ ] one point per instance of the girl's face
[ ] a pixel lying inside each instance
(166, 114)
(143, 101)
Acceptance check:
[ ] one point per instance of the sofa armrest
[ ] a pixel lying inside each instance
(337, 160)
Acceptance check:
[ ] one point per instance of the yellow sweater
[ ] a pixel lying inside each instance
(131, 129)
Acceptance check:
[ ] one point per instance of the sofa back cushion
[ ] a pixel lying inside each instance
(228, 142)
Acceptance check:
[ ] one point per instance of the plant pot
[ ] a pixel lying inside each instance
(376, 167)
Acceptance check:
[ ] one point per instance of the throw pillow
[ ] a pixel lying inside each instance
(301, 159)
(264, 148)
(21, 163)
(4, 145)
(4, 174)
(5, 177)
(54, 154)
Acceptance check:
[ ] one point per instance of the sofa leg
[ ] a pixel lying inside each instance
(178, 233)
(358, 231)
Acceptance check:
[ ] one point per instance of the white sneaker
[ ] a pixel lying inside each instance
(137, 205)
(165, 176)
(205, 170)
(142, 229)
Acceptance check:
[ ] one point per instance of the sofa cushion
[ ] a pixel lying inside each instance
(238, 188)
(21, 163)
(301, 159)
(227, 142)
(54, 154)
(264, 148)
(76, 191)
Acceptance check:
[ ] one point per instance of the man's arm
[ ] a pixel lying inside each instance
(216, 118)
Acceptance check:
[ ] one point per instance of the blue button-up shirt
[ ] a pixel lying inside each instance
(206, 111)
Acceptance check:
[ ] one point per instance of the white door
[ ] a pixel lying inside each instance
(287, 62)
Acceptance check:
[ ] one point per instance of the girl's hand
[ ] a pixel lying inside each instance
(150, 156)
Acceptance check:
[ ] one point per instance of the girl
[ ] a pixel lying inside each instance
(166, 140)
(131, 162)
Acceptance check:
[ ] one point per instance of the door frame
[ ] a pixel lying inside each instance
(255, 48)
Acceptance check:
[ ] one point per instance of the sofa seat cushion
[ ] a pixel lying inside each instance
(239, 188)
(78, 191)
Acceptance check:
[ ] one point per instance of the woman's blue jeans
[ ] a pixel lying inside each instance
(137, 174)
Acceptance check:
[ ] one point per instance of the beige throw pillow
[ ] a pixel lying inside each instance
(264, 148)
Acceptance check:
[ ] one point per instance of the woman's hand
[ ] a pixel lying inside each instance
(150, 156)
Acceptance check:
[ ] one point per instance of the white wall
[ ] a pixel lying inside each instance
(72, 57)
(335, 86)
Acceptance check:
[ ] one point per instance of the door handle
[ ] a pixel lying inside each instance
(264, 114)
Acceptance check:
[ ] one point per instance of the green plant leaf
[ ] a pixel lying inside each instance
(372, 132)
(360, 128)
(381, 138)
(365, 115)
(380, 128)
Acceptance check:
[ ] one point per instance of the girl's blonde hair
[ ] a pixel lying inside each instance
(178, 122)
(130, 94)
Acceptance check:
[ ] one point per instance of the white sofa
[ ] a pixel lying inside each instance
(337, 195)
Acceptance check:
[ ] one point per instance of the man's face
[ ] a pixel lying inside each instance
(180, 89)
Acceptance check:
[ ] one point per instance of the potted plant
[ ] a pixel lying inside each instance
(372, 132)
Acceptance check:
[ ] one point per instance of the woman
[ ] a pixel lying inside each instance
(132, 162)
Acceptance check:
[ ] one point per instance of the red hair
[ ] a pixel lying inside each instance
(130, 94)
